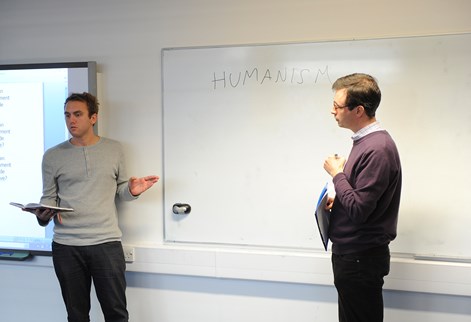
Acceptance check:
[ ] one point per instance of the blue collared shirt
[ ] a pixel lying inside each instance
(373, 127)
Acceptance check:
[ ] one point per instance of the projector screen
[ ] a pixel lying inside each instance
(31, 121)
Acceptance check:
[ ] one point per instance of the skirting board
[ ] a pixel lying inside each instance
(285, 266)
(407, 273)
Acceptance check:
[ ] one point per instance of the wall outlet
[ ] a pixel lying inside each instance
(128, 254)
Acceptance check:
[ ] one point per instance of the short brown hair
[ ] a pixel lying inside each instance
(362, 89)
(87, 98)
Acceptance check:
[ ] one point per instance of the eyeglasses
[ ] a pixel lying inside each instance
(337, 107)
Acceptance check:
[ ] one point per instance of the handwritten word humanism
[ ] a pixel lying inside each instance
(258, 76)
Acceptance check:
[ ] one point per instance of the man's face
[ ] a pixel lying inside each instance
(343, 116)
(77, 119)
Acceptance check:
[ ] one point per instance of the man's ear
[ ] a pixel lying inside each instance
(94, 118)
(360, 110)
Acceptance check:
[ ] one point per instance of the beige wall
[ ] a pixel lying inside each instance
(125, 38)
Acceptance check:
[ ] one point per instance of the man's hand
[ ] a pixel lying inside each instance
(44, 215)
(334, 165)
(139, 185)
(329, 204)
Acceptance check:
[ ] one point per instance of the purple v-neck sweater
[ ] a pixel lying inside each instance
(366, 206)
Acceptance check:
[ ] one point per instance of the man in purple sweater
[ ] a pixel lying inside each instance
(365, 209)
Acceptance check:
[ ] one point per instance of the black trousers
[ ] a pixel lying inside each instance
(358, 278)
(77, 266)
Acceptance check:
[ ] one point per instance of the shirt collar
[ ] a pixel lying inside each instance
(373, 127)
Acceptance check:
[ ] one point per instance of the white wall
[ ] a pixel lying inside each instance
(125, 38)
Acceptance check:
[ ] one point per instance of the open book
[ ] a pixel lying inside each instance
(32, 206)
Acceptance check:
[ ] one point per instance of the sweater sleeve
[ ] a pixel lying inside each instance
(49, 195)
(360, 193)
(122, 180)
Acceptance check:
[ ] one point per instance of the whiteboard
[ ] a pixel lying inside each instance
(246, 130)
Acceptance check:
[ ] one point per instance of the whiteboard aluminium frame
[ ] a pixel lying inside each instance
(409, 272)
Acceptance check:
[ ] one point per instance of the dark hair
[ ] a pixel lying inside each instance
(87, 98)
(362, 89)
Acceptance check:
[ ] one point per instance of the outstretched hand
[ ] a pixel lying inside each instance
(139, 185)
